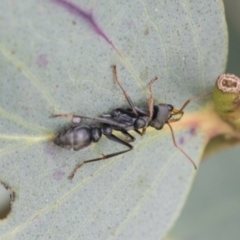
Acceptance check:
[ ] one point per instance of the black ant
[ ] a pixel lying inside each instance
(123, 120)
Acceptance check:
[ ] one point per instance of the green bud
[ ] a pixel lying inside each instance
(226, 97)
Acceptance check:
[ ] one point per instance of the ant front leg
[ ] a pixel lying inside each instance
(130, 138)
(171, 120)
(124, 92)
(150, 104)
(176, 145)
(75, 118)
(150, 100)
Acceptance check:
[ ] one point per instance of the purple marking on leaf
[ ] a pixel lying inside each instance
(51, 151)
(58, 174)
(86, 16)
(181, 140)
(192, 131)
(42, 60)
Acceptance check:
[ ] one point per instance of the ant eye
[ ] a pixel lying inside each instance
(170, 107)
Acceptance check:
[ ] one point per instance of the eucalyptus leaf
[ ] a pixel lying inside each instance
(56, 57)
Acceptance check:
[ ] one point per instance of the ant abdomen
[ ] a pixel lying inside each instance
(78, 137)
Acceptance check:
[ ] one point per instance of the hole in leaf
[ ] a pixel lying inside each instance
(6, 200)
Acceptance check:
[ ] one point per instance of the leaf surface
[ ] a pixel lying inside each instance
(56, 57)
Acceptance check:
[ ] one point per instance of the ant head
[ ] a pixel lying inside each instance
(162, 113)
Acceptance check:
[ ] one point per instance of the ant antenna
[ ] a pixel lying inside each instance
(180, 111)
(175, 144)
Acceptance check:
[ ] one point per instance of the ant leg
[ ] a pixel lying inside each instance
(97, 119)
(137, 131)
(75, 118)
(110, 137)
(128, 135)
(124, 92)
(150, 105)
(150, 100)
(61, 115)
(180, 111)
(175, 144)
(175, 119)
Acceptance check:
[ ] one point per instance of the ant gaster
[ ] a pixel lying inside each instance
(123, 120)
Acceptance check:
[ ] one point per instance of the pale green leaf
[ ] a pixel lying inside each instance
(53, 61)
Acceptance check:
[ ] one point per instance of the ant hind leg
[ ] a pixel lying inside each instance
(112, 138)
(75, 118)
